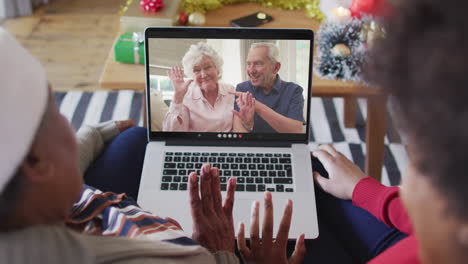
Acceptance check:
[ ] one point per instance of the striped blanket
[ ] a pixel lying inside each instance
(326, 124)
(110, 214)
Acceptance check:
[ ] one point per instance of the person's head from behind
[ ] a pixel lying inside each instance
(39, 174)
(423, 64)
(263, 64)
(203, 64)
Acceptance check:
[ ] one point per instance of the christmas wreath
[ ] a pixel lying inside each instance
(341, 51)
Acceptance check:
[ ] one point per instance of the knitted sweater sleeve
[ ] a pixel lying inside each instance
(383, 202)
(91, 140)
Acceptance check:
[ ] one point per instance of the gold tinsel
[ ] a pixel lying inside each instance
(310, 6)
(124, 7)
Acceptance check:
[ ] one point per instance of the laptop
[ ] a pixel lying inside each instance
(261, 161)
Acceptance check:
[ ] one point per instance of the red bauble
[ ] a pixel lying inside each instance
(183, 18)
(362, 6)
(151, 5)
(370, 7)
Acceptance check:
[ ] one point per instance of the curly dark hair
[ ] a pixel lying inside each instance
(423, 64)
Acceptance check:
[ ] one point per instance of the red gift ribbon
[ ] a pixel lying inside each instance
(151, 5)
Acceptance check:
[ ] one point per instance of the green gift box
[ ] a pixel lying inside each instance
(130, 48)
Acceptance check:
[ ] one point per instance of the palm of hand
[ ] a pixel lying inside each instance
(246, 104)
(176, 75)
(246, 113)
(274, 255)
(180, 86)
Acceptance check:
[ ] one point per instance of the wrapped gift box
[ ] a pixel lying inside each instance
(130, 48)
(136, 20)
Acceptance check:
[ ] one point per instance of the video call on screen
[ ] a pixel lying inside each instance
(220, 85)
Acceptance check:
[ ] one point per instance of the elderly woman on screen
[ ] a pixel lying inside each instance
(202, 103)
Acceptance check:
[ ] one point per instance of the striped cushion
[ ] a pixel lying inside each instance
(326, 124)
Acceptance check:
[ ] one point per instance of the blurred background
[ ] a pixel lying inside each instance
(72, 38)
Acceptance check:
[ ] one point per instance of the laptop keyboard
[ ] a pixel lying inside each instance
(255, 172)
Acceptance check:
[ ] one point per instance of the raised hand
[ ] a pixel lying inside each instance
(246, 104)
(180, 86)
(343, 174)
(267, 250)
(213, 225)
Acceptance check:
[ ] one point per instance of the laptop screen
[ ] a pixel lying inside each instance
(228, 84)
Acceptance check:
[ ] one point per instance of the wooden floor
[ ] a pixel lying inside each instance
(72, 39)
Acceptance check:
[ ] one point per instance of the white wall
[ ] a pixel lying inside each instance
(229, 50)
(13, 8)
(3, 8)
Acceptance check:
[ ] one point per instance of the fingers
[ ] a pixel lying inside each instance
(283, 232)
(241, 94)
(244, 250)
(236, 93)
(249, 99)
(242, 100)
(216, 190)
(252, 103)
(299, 251)
(321, 181)
(205, 190)
(174, 72)
(170, 73)
(195, 202)
(329, 148)
(236, 113)
(254, 227)
(240, 103)
(180, 77)
(178, 72)
(229, 201)
(324, 156)
(246, 99)
(267, 227)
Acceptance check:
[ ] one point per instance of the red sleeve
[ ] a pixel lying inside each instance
(383, 202)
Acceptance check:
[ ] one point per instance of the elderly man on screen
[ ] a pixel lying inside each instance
(277, 104)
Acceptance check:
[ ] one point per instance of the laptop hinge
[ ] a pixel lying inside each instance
(220, 143)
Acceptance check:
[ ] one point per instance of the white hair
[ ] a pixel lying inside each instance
(273, 51)
(195, 54)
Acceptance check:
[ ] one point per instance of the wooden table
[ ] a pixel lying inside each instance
(117, 75)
